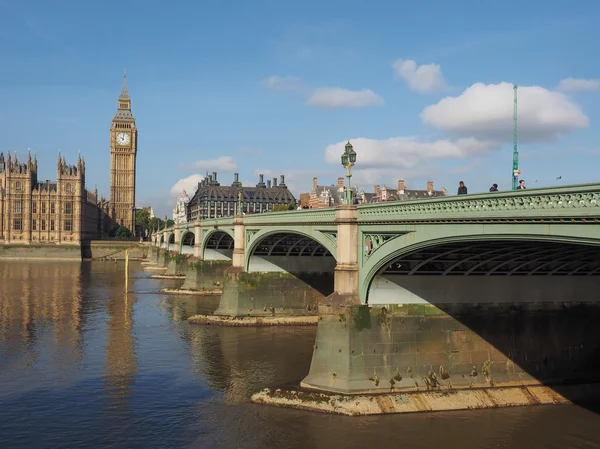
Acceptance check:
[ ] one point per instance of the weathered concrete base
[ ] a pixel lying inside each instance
(166, 276)
(429, 401)
(175, 291)
(256, 321)
(153, 268)
(205, 275)
(178, 265)
(365, 349)
(272, 294)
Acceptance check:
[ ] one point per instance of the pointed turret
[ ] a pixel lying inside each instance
(28, 158)
(124, 94)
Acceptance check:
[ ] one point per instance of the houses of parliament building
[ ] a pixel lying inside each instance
(65, 212)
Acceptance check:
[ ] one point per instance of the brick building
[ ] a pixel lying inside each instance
(327, 196)
(401, 193)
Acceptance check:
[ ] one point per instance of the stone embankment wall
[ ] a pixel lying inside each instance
(40, 252)
(95, 250)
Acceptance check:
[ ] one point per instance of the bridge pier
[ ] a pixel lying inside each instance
(205, 276)
(163, 258)
(197, 240)
(269, 294)
(178, 265)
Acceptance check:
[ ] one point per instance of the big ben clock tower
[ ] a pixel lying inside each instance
(123, 151)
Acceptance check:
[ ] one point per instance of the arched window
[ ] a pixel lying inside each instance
(68, 188)
(17, 185)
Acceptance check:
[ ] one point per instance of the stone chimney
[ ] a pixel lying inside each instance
(315, 183)
(214, 178)
(274, 182)
(340, 183)
(377, 191)
(236, 177)
(430, 187)
(401, 185)
(261, 179)
(282, 180)
(269, 184)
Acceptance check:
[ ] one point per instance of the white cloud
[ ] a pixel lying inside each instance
(284, 83)
(424, 78)
(485, 111)
(326, 97)
(221, 164)
(405, 152)
(188, 184)
(335, 97)
(578, 84)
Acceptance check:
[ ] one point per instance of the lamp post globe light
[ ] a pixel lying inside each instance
(348, 160)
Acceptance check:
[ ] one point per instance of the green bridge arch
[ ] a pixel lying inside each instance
(409, 239)
(254, 237)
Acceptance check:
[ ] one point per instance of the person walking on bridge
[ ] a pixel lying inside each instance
(462, 188)
(494, 188)
(522, 184)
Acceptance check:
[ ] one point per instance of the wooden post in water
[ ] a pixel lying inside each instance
(126, 269)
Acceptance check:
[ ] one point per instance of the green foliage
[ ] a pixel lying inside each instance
(142, 218)
(123, 233)
(156, 223)
(170, 223)
(283, 207)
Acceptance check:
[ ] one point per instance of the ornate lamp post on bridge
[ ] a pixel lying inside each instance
(348, 160)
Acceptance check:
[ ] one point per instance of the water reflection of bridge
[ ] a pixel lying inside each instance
(240, 361)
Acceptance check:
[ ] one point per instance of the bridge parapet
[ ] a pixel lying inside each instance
(578, 201)
(304, 216)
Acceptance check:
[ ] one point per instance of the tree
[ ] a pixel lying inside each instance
(170, 223)
(282, 207)
(142, 218)
(156, 223)
(123, 233)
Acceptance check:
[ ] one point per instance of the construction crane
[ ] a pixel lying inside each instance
(515, 172)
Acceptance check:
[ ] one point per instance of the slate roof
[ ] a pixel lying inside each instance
(333, 192)
(211, 190)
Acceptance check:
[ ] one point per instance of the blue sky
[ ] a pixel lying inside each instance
(423, 89)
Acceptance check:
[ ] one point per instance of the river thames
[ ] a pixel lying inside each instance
(84, 365)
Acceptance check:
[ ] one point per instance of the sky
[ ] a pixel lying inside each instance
(422, 89)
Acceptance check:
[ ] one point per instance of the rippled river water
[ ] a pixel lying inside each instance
(82, 365)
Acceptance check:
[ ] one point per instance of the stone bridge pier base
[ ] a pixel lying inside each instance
(163, 258)
(269, 294)
(205, 276)
(178, 264)
(331, 366)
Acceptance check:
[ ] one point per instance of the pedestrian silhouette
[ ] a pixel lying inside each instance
(462, 188)
(521, 184)
(494, 188)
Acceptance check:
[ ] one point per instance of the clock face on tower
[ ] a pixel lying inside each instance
(123, 139)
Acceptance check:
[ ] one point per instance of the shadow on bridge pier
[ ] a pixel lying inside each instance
(288, 275)
(466, 316)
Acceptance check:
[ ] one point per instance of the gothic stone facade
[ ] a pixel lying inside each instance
(33, 212)
(180, 211)
(212, 200)
(123, 153)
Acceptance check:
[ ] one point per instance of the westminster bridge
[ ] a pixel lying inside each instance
(491, 289)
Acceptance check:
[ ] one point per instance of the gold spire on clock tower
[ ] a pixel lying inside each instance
(123, 152)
